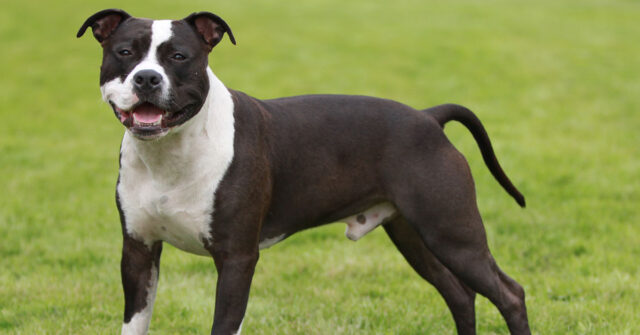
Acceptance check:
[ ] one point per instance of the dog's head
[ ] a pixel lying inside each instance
(154, 73)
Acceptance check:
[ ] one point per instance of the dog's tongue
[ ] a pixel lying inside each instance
(147, 113)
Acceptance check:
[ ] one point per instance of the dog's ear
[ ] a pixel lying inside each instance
(103, 23)
(211, 27)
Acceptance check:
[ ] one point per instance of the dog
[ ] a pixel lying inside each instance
(216, 172)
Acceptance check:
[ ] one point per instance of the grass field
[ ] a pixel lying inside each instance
(556, 83)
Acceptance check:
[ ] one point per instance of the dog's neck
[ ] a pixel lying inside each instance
(200, 147)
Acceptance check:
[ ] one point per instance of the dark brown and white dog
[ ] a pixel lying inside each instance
(216, 172)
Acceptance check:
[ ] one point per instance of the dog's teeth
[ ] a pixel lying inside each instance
(144, 124)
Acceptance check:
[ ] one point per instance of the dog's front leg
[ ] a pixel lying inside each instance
(232, 291)
(140, 269)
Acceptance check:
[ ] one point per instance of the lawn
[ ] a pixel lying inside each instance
(556, 83)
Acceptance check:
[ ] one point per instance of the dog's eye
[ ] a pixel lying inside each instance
(178, 56)
(124, 52)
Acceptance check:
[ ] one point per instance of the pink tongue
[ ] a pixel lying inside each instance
(148, 113)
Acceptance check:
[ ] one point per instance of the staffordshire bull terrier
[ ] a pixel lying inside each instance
(219, 173)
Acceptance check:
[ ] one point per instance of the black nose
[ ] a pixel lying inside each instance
(147, 80)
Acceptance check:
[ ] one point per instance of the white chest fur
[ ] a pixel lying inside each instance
(167, 186)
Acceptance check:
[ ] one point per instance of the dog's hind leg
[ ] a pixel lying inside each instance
(471, 261)
(442, 208)
(457, 295)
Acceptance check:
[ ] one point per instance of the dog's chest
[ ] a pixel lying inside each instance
(168, 193)
(178, 214)
(167, 187)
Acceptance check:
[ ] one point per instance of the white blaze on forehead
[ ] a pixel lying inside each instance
(160, 33)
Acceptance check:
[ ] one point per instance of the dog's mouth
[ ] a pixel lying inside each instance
(148, 121)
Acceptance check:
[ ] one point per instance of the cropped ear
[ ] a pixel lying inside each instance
(211, 27)
(103, 23)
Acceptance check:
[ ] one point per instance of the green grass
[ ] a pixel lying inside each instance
(555, 83)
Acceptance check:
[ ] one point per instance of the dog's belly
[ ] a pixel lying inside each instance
(358, 224)
(364, 222)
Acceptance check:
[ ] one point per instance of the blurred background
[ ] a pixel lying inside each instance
(556, 84)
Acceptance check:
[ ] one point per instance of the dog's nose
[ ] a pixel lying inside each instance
(147, 80)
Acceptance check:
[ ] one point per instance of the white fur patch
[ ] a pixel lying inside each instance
(160, 33)
(139, 323)
(239, 328)
(268, 242)
(167, 186)
(360, 224)
(120, 93)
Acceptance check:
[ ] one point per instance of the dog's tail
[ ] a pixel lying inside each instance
(448, 112)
